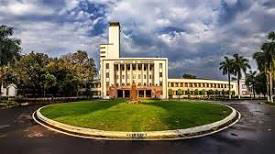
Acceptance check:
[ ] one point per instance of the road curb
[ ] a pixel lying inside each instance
(178, 134)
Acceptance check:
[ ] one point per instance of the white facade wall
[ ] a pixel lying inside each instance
(144, 72)
(9, 91)
(218, 85)
(114, 40)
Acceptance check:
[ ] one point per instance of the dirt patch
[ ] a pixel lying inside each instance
(37, 132)
(24, 118)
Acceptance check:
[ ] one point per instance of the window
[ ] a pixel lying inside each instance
(203, 85)
(186, 84)
(107, 84)
(195, 84)
(122, 76)
(199, 84)
(181, 84)
(107, 75)
(207, 85)
(190, 85)
(139, 76)
(160, 83)
(172, 84)
(150, 77)
(144, 76)
(160, 65)
(160, 74)
(107, 65)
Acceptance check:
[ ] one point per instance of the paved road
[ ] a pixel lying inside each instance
(255, 133)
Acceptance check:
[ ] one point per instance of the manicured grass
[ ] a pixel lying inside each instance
(148, 116)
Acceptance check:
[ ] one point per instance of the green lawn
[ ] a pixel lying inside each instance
(148, 116)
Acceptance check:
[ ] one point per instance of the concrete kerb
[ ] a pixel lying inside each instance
(188, 133)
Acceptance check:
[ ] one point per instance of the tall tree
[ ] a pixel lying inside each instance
(227, 69)
(260, 84)
(241, 64)
(82, 67)
(266, 63)
(250, 81)
(9, 49)
(31, 71)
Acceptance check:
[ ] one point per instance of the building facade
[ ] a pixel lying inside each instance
(150, 75)
(9, 90)
(117, 74)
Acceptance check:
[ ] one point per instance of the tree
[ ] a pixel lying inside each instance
(188, 93)
(227, 67)
(266, 63)
(188, 76)
(9, 49)
(170, 93)
(179, 92)
(202, 92)
(30, 70)
(250, 81)
(210, 92)
(217, 93)
(260, 84)
(240, 65)
(49, 81)
(82, 67)
(196, 92)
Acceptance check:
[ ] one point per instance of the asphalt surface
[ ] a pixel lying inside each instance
(254, 133)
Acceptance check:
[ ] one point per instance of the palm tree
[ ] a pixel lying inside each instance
(227, 69)
(240, 65)
(250, 81)
(266, 63)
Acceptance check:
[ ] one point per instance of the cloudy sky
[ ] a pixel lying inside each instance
(194, 34)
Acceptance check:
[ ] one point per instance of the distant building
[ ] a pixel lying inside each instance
(9, 90)
(117, 75)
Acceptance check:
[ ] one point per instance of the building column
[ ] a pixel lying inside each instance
(148, 67)
(119, 75)
(131, 74)
(144, 93)
(153, 75)
(142, 70)
(125, 71)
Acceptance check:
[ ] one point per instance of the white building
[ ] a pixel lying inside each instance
(150, 75)
(9, 91)
(117, 74)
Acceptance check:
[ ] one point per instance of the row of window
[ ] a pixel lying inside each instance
(199, 92)
(134, 76)
(139, 84)
(199, 85)
(134, 67)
